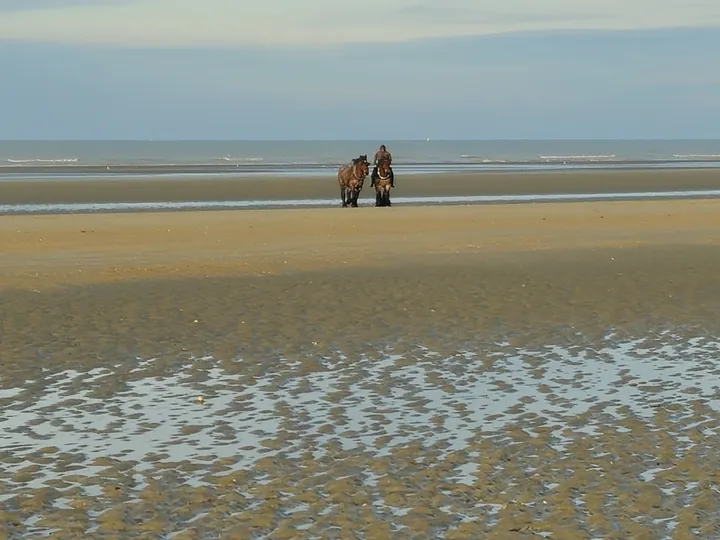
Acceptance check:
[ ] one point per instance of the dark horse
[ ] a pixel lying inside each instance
(351, 178)
(383, 182)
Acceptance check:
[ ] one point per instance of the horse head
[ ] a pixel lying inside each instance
(360, 167)
(383, 168)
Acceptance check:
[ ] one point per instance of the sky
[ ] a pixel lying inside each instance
(393, 69)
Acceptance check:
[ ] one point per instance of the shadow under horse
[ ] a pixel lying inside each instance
(351, 178)
(383, 181)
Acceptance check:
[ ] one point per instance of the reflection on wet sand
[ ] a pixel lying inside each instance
(496, 438)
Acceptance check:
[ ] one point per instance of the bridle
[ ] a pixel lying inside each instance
(380, 176)
(355, 173)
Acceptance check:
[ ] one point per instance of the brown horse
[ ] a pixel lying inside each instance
(351, 178)
(383, 182)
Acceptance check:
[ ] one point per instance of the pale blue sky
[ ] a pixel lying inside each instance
(351, 70)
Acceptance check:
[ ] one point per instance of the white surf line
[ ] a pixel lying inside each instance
(289, 203)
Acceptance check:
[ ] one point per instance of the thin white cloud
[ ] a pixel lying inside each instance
(39, 5)
(323, 22)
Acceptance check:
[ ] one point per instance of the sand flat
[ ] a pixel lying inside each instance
(198, 188)
(42, 250)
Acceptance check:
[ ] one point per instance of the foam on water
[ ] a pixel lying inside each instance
(290, 203)
(42, 161)
(107, 158)
(580, 158)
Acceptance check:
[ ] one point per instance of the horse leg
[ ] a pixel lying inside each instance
(387, 198)
(381, 197)
(342, 196)
(378, 198)
(355, 196)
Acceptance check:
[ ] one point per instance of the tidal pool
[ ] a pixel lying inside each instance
(615, 437)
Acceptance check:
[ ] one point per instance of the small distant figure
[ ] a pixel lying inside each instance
(380, 155)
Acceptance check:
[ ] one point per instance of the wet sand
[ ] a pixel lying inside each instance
(41, 250)
(149, 189)
(464, 372)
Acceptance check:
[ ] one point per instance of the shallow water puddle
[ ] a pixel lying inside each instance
(62, 208)
(496, 437)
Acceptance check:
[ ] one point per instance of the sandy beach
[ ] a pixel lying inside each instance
(199, 188)
(461, 372)
(42, 250)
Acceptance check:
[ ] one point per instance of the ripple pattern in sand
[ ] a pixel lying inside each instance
(579, 443)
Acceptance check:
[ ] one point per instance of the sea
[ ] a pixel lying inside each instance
(181, 158)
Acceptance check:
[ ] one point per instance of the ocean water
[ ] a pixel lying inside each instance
(50, 158)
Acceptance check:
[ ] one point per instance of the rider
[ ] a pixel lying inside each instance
(380, 154)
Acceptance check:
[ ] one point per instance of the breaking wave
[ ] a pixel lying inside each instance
(39, 161)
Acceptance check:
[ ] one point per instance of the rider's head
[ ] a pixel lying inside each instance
(382, 147)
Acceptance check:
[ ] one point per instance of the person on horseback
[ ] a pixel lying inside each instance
(382, 153)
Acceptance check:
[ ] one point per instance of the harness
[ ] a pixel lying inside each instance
(355, 174)
(357, 177)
